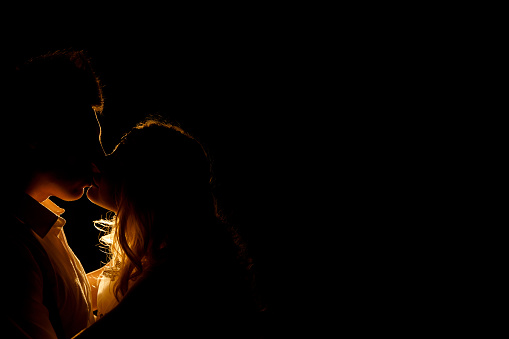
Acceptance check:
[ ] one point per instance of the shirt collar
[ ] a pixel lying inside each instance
(40, 217)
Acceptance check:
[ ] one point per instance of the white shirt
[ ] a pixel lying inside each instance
(106, 300)
(73, 290)
(74, 295)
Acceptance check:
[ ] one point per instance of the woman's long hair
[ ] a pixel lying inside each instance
(166, 209)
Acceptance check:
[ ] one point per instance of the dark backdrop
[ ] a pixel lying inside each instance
(237, 94)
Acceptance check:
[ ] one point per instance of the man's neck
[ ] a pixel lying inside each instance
(37, 195)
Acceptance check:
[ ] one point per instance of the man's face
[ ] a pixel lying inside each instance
(69, 153)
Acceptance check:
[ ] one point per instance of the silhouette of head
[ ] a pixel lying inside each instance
(51, 132)
(157, 181)
(156, 165)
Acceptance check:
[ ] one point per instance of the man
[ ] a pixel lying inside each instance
(50, 138)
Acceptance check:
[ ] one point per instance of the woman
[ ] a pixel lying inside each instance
(173, 263)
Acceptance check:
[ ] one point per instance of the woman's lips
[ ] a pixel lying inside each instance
(94, 183)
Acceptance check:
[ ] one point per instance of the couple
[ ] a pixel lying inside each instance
(174, 268)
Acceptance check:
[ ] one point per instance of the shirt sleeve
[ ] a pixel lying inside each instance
(23, 291)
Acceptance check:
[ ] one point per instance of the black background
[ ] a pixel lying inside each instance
(239, 93)
(332, 145)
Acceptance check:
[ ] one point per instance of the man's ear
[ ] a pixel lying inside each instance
(32, 146)
(32, 151)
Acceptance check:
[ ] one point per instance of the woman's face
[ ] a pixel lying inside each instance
(104, 184)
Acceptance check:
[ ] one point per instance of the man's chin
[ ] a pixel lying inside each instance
(72, 195)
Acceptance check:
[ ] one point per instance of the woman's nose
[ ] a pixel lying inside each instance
(95, 169)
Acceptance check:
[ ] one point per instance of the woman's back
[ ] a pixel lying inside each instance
(200, 289)
(190, 270)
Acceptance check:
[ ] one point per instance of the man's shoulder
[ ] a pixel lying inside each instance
(20, 248)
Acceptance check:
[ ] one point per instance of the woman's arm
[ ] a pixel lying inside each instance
(93, 278)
